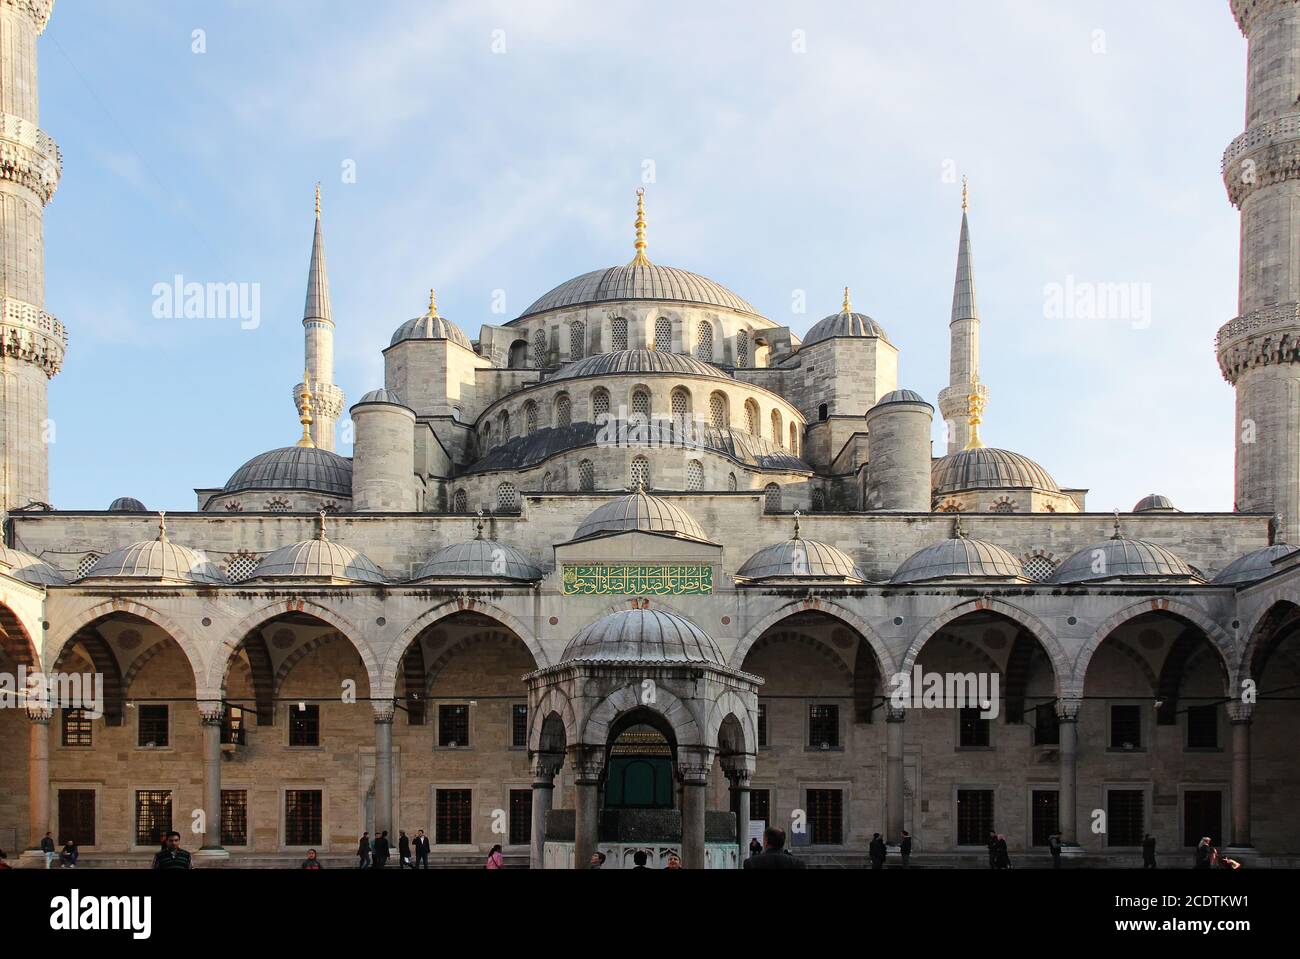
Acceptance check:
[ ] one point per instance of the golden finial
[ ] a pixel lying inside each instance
(320, 525)
(848, 307)
(975, 403)
(318, 200)
(640, 259)
(957, 531)
(1119, 533)
(162, 526)
(433, 304)
(965, 194)
(305, 417)
(478, 526)
(796, 524)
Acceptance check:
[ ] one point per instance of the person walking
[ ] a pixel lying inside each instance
(993, 850)
(1054, 847)
(1201, 858)
(363, 851)
(905, 848)
(1003, 858)
(421, 850)
(495, 860)
(773, 855)
(403, 850)
(876, 850)
(1149, 852)
(382, 850)
(47, 847)
(172, 856)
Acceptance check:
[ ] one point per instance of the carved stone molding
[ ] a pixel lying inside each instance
(38, 10)
(29, 157)
(1263, 338)
(30, 334)
(385, 710)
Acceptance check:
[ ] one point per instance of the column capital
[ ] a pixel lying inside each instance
(1240, 713)
(588, 763)
(544, 767)
(211, 712)
(694, 763)
(385, 710)
(40, 714)
(739, 769)
(1067, 708)
(895, 714)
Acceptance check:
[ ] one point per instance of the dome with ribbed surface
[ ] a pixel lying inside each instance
(640, 511)
(638, 361)
(640, 281)
(1123, 559)
(642, 636)
(800, 559)
(127, 504)
(478, 559)
(430, 328)
(1155, 503)
(157, 560)
(902, 396)
(959, 558)
(381, 396)
(988, 469)
(1254, 566)
(844, 324)
(30, 569)
(318, 558)
(303, 468)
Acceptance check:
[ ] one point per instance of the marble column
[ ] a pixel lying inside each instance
(384, 711)
(1067, 716)
(693, 766)
(38, 775)
(587, 766)
(211, 715)
(545, 766)
(894, 718)
(1240, 714)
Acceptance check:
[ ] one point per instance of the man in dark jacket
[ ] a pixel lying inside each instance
(421, 850)
(381, 850)
(905, 848)
(403, 850)
(47, 847)
(1149, 852)
(363, 851)
(876, 850)
(172, 855)
(773, 855)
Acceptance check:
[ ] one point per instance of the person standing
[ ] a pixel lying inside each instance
(403, 850)
(1149, 852)
(597, 860)
(172, 856)
(1054, 847)
(1202, 855)
(47, 847)
(311, 862)
(363, 851)
(773, 856)
(905, 848)
(993, 850)
(495, 860)
(382, 850)
(1003, 857)
(876, 850)
(639, 859)
(421, 850)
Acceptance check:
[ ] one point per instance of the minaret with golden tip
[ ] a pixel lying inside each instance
(964, 339)
(318, 332)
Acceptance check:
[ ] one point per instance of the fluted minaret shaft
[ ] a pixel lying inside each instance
(32, 342)
(1259, 350)
(318, 332)
(964, 345)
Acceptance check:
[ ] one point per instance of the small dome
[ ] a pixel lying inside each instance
(478, 559)
(127, 504)
(156, 560)
(988, 469)
(642, 635)
(305, 468)
(639, 281)
(430, 328)
(318, 558)
(1123, 559)
(29, 568)
(638, 361)
(1254, 566)
(800, 559)
(959, 558)
(902, 396)
(844, 324)
(640, 511)
(381, 396)
(1155, 503)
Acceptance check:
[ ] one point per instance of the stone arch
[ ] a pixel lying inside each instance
(447, 653)
(138, 664)
(1217, 636)
(730, 704)
(105, 662)
(1278, 614)
(16, 638)
(679, 716)
(61, 635)
(552, 703)
(812, 642)
(884, 658)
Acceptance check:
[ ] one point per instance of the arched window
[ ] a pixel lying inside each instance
(771, 498)
(518, 354)
(507, 498)
(751, 418)
(1038, 568)
(664, 334)
(822, 412)
(681, 405)
(718, 410)
(563, 410)
(539, 349)
(530, 418)
(586, 476)
(704, 341)
(503, 426)
(818, 501)
(577, 340)
(731, 482)
(640, 473)
(641, 403)
(777, 438)
(742, 348)
(1003, 505)
(278, 505)
(460, 502)
(694, 475)
(618, 334)
(599, 403)
(794, 439)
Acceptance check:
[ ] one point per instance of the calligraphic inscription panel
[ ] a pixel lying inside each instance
(637, 580)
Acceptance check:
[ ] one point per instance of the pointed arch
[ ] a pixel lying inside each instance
(552, 703)
(62, 635)
(105, 663)
(884, 658)
(730, 703)
(688, 729)
(16, 639)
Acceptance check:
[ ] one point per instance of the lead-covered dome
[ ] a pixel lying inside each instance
(305, 468)
(844, 324)
(127, 504)
(1123, 559)
(902, 396)
(157, 560)
(642, 636)
(643, 512)
(30, 569)
(478, 559)
(800, 559)
(430, 328)
(1254, 566)
(381, 396)
(985, 468)
(1155, 503)
(639, 281)
(318, 559)
(638, 361)
(959, 558)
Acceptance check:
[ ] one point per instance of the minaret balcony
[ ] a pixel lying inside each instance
(1266, 153)
(29, 156)
(1264, 337)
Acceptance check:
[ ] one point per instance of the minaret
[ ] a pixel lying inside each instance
(1259, 351)
(964, 337)
(32, 342)
(318, 331)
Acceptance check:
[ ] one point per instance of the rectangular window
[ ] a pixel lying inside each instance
(521, 817)
(153, 816)
(1202, 816)
(76, 728)
(77, 816)
(1047, 818)
(234, 817)
(760, 805)
(1125, 817)
(453, 726)
(974, 816)
(451, 817)
(153, 725)
(304, 724)
(823, 727)
(519, 726)
(1125, 727)
(974, 729)
(1047, 728)
(826, 817)
(762, 725)
(302, 817)
(232, 726)
(1203, 727)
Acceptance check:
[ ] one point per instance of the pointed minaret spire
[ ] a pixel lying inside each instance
(964, 338)
(318, 331)
(640, 259)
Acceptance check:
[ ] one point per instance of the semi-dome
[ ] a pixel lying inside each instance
(305, 468)
(318, 558)
(478, 559)
(959, 558)
(985, 468)
(638, 361)
(800, 559)
(381, 396)
(156, 560)
(639, 281)
(1254, 566)
(640, 511)
(1120, 558)
(127, 504)
(844, 324)
(642, 636)
(1155, 503)
(902, 396)
(30, 569)
(431, 328)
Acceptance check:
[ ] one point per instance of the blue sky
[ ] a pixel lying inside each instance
(1091, 132)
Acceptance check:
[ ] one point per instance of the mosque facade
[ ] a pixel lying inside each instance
(642, 569)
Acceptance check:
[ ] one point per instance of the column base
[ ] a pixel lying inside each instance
(211, 852)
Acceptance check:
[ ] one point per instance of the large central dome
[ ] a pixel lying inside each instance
(640, 281)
